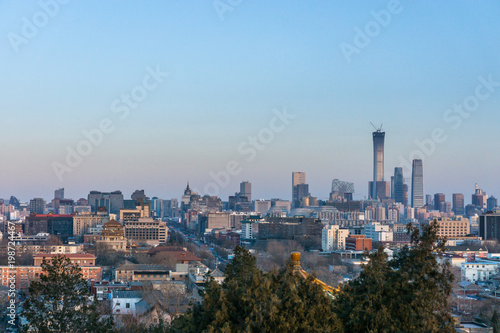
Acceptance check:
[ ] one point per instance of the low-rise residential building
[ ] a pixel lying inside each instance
(25, 274)
(51, 249)
(479, 270)
(468, 251)
(123, 302)
(81, 259)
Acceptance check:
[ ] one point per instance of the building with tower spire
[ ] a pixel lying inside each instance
(378, 189)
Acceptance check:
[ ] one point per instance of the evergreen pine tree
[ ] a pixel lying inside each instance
(59, 301)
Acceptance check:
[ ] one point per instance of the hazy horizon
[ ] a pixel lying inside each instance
(229, 74)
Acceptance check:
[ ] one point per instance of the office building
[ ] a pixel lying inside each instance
(37, 206)
(59, 225)
(398, 185)
(59, 193)
(146, 230)
(298, 178)
(302, 193)
(491, 203)
(489, 225)
(455, 227)
(428, 201)
(218, 221)
(262, 206)
(378, 162)
(112, 201)
(378, 232)
(479, 198)
(82, 222)
(417, 184)
(142, 210)
(171, 208)
(341, 191)
(405, 195)
(246, 190)
(139, 195)
(458, 206)
(333, 238)
(439, 198)
(301, 229)
(445, 207)
(279, 204)
(64, 206)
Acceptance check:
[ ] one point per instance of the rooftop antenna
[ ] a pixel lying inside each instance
(379, 129)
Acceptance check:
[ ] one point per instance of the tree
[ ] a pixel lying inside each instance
(495, 321)
(406, 294)
(59, 301)
(252, 301)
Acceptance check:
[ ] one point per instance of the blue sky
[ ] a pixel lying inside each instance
(225, 78)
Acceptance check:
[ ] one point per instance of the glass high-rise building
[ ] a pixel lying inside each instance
(439, 198)
(59, 193)
(398, 185)
(417, 184)
(378, 161)
(297, 179)
(458, 204)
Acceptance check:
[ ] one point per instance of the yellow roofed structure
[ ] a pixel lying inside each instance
(329, 290)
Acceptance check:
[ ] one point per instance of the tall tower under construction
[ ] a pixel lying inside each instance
(378, 188)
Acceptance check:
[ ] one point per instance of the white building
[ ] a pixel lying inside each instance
(378, 232)
(479, 270)
(124, 302)
(393, 215)
(333, 238)
(249, 229)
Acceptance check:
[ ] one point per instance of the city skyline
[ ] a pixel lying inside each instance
(260, 59)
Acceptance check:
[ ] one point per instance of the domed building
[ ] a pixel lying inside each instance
(113, 236)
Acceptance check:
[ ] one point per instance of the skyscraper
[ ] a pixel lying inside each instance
(458, 204)
(59, 193)
(297, 179)
(479, 198)
(428, 200)
(37, 205)
(302, 191)
(398, 185)
(246, 190)
(417, 184)
(439, 198)
(378, 161)
(491, 203)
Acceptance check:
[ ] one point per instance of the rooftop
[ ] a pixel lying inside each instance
(126, 294)
(68, 255)
(470, 247)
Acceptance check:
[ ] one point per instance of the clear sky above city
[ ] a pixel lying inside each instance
(305, 78)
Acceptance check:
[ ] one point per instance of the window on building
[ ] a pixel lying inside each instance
(127, 305)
